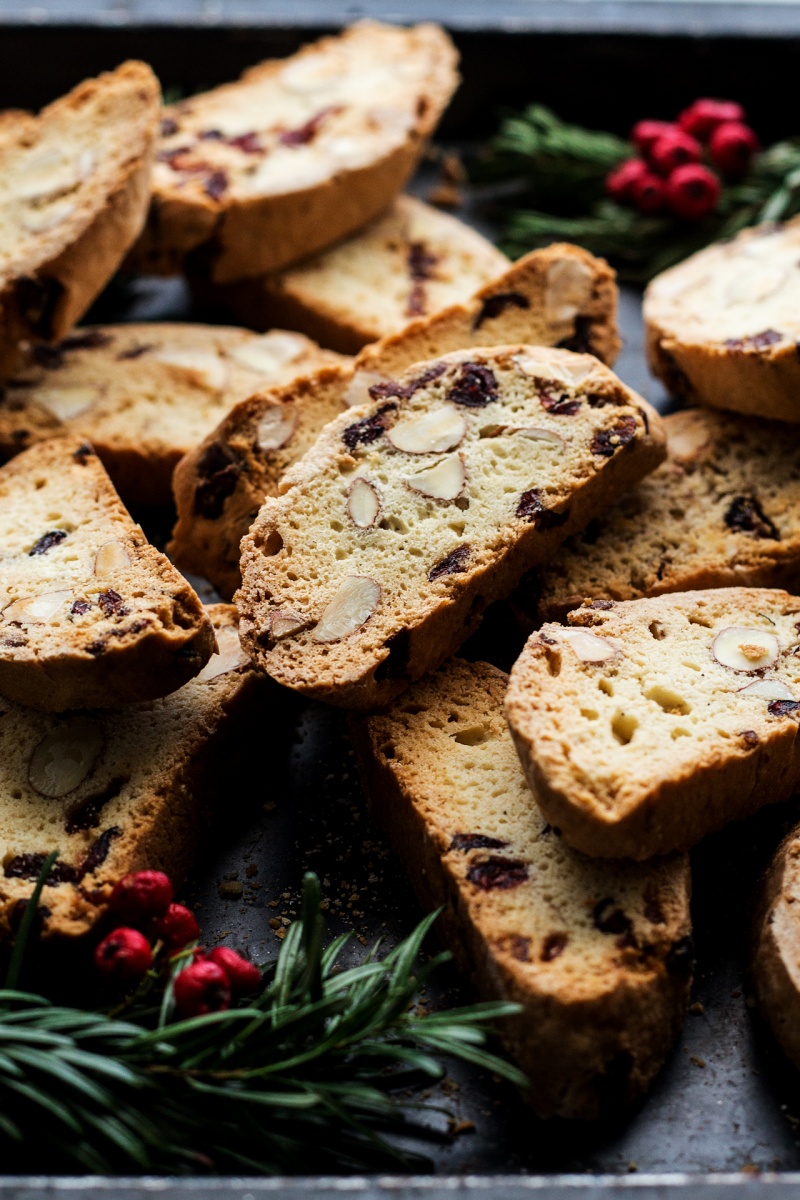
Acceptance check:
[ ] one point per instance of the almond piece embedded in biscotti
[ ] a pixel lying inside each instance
(229, 657)
(276, 426)
(588, 647)
(64, 758)
(526, 914)
(462, 513)
(354, 603)
(204, 368)
(266, 355)
(658, 745)
(91, 615)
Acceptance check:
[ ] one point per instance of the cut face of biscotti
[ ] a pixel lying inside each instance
(298, 153)
(410, 262)
(775, 967)
(723, 510)
(723, 326)
(144, 395)
(75, 193)
(558, 296)
(644, 725)
(598, 954)
(91, 615)
(114, 791)
(412, 513)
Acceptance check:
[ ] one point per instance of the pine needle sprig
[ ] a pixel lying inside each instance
(310, 1075)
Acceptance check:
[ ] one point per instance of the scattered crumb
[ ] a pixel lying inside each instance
(632, 1168)
(697, 1008)
(459, 1127)
(280, 933)
(750, 1169)
(251, 869)
(230, 889)
(698, 1062)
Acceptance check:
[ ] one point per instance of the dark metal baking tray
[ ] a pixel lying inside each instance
(724, 1115)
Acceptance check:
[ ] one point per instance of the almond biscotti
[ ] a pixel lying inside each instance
(644, 725)
(298, 153)
(775, 966)
(412, 513)
(410, 262)
(598, 954)
(115, 791)
(723, 510)
(75, 193)
(91, 615)
(723, 326)
(145, 394)
(557, 296)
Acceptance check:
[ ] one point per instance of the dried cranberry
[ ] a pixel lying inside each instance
(581, 340)
(494, 306)
(475, 387)
(421, 265)
(29, 866)
(756, 341)
(609, 918)
(216, 185)
(98, 851)
(782, 708)
(553, 945)
(124, 956)
(243, 977)
(201, 988)
(497, 873)
(133, 352)
(306, 133)
(83, 454)
(530, 508)
(555, 400)
(607, 441)
(211, 135)
(368, 429)
(248, 143)
(520, 948)
(111, 603)
(218, 468)
(89, 339)
(476, 841)
(452, 564)
(47, 541)
(168, 126)
(746, 515)
(750, 738)
(404, 391)
(86, 815)
(653, 911)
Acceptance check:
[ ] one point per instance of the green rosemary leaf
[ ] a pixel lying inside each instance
(26, 925)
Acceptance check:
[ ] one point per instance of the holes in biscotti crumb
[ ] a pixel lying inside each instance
(472, 736)
(695, 619)
(668, 700)
(606, 686)
(657, 631)
(388, 751)
(624, 726)
(273, 543)
(691, 666)
(590, 714)
(679, 732)
(553, 657)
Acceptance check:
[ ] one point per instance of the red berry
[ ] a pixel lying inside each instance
(702, 118)
(177, 926)
(673, 150)
(242, 975)
(123, 956)
(692, 192)
(620, 181)
(647, 194)
(644, 133)
(201, 988)
(141, 895)
(732, 147)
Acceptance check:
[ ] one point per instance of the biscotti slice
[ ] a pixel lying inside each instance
(646, 724)
(91, 615)
(74, 196)
(297, 154)
(410, 262)
(412, 513)
(598, 954)
(775, 966)
(115, 791)
(723, 326)
(561, 295)
(723, 510)
(144, 395)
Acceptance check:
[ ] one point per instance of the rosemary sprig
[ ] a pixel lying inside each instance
(305, 1077)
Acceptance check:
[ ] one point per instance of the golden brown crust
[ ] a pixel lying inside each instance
(599, 1014)
(775, 955)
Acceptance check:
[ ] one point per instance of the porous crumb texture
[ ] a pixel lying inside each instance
(299, 153)
(775, 966)
(597, 953)
(74, 196)
(723, 510)
(145, 394)
(558, 296)
(220, 485)
(91, 615)
(113, 791)
(412, 513)
(410, 262)
(723, 326)
(644, 725)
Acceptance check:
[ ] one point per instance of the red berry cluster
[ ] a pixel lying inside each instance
(154, 926)
(669, 175)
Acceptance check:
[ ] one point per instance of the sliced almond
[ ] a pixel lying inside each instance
(110, 558)
(567, 290)
(768, 689)
(445, 480)
(276, 426)
(47, 172)
(266, 355)
(229, 656)
(542, 363)
(689, 439)
(352, 606)
(65, 756)
(40, 220)
(363, 503)
(589, 647)
(67, 402)
(35, 610)
(283, 623)
(432, 433)
(744, 649)
(203, 368)
(358, 388)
